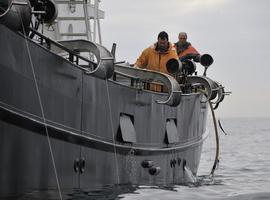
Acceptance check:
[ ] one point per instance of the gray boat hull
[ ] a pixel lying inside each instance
(83, 117)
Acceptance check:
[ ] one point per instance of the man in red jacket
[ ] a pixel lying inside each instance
(184, 49)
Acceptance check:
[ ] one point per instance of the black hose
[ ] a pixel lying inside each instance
(217, 139)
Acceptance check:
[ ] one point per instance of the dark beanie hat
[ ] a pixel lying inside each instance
(163, 35)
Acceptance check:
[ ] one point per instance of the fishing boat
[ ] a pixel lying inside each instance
(71, 116)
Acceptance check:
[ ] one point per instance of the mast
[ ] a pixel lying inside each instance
(78, 19)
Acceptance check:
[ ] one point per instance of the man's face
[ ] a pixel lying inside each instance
(163, 43)
(182, 38)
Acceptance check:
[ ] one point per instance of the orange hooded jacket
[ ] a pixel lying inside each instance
(153, 60)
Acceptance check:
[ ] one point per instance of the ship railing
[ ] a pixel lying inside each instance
(71, 56)
(97, 61)
(144, 79)
(137, 82)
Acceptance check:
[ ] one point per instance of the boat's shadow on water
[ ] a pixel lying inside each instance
(112, 192)
(108, 192)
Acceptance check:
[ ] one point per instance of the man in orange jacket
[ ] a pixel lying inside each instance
(156, 56)
(185, 50)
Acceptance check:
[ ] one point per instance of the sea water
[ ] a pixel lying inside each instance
(243, 172)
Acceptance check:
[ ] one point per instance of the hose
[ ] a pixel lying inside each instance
(217, 139)
(5, 11)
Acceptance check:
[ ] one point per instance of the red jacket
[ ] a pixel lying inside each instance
(189, 50)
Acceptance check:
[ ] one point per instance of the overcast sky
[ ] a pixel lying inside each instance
(235, 32)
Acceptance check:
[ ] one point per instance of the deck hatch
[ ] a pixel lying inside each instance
(171, 131)
(127, 128)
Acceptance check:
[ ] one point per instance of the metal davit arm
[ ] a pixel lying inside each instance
(143, 75)
(102, 65)
(212, 89)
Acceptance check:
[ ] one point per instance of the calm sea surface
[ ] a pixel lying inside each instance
(243, 171)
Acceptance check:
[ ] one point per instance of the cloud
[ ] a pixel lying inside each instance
(192, 6)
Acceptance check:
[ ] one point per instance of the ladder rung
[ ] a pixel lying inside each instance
(69, 2)
(73, 34)
(107, 58)
(71, 18)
